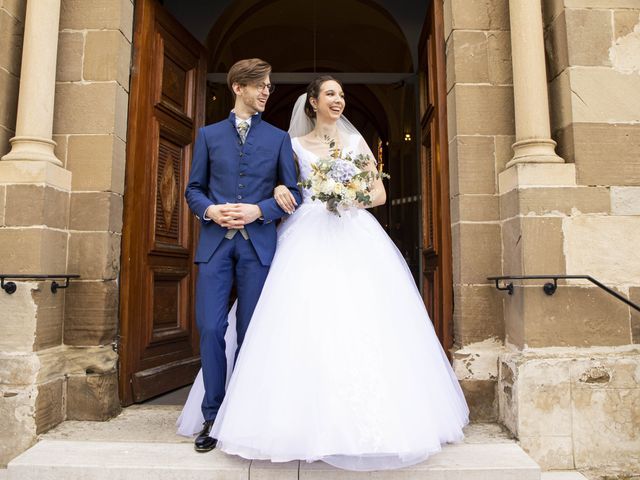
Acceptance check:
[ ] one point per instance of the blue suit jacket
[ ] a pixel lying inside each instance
(225, 171)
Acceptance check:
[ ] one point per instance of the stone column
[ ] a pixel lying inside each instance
(32, 157)
(533, 133)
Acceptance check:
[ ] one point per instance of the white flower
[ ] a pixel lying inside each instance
(328, 186)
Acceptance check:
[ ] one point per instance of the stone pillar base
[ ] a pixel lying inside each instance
(32, 148)
(535, 151)
(573, 408)
(537, 175)
(30, 172)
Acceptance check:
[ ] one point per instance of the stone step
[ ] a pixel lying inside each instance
(141, 443)
(89, 460)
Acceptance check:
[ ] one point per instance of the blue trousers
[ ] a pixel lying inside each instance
(234, 258)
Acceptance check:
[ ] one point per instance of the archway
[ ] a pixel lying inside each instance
(395, 97)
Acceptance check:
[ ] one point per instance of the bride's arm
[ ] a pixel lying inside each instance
(378, 192)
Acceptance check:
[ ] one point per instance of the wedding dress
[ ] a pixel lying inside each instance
(340, 362)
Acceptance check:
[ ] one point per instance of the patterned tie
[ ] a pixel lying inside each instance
(243, 128)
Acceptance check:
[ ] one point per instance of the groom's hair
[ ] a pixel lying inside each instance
(246, 71)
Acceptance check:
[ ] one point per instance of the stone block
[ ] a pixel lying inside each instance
(92, 397)
(60, 149)
(97, 162)
(19, 311)
(50, 405)
(474, 208)
(601, 3)
(605, 247)
(468, 54)
(33, 250)
(94, 255)
(97, 15)
(481, 399)
(556, 201)
(550, 452)
(624, 22)
(480, 110)
(18, 433)
(107, 56)
(447, 19)
(2, 204)
(607, 154)
(625, 200)
(49, 316)
(605, 423)
(70, 53)
(604, 95)
(499, 58)
(11, 32)
(561, 100)
(504, 151)
(551, 9)
(5, 135)
(477, 314)
(556, 46)
(480, 14)
(9, 86)
(532, 245)
(96, 211)
(477, 252)
(16, 8)
(90, 108)
(589, 36)
(472, 160)
(575, 316)
(634, 296)
(544, 398)
(527, 175)
(91, 313)
(28, 205)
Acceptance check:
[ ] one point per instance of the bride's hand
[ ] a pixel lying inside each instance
(285, 199)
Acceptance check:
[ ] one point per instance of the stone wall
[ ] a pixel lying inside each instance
(481, 132)
(57, 360)
(569, 386)
(90, 125)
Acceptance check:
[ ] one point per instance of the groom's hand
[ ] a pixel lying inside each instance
(224, 215)
(238, 215)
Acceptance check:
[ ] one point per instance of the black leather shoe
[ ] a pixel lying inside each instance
(204, 443)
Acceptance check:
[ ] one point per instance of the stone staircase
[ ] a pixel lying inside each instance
(141, 444)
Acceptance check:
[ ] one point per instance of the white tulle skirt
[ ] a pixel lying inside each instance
(340, 362)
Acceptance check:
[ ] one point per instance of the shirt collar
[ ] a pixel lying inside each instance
(255, 118)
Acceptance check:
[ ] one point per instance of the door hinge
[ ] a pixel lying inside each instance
(116, 344)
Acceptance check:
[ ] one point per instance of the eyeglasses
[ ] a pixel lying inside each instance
(261, 86)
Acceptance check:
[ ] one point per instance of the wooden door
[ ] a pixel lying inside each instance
(437, 288)
(158, 341)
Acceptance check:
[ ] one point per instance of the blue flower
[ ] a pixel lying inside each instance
(342, 171)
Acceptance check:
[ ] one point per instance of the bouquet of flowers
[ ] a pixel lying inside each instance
(341, 180)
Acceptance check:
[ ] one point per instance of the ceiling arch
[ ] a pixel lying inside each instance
(302, 36)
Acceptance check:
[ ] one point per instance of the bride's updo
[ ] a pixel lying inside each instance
(313, 91)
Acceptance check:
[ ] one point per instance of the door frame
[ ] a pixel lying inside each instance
(432, 65)
(133, 296)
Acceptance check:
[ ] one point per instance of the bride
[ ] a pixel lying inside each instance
(341, 362)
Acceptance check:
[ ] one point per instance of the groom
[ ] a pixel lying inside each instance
(236, 165)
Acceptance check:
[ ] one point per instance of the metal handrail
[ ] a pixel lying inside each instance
(11, 287)
(550, 288)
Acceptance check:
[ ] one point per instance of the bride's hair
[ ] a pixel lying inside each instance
(313, 91)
